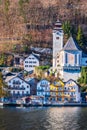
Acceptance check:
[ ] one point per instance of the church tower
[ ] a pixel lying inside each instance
(57, 41)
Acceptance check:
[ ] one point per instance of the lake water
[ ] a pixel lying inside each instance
(58, 118)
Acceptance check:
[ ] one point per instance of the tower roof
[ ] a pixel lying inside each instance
(58, 25)
(71, 45)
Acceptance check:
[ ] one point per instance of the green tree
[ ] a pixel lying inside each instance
(3, 86)
(2, 60)
(67, 28)
(83, 79)
(79, 37)
(7, 4)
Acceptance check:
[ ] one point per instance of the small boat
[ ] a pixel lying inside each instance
(1, 103)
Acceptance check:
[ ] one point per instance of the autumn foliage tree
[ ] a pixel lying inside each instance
(3, 86)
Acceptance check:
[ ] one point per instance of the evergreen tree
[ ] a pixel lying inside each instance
(79, 37)
(7, 4)
(67, 28)
(83, 79)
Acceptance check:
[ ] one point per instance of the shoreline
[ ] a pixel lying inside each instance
(47, 105)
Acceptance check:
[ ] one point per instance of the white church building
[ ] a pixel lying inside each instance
(67, 59)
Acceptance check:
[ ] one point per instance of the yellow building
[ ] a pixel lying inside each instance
(57, 91)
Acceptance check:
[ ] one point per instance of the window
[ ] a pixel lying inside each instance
(86, 61)
(27, 92)
(27, 86)
(57, 38)
(26, 65)
(22, 86)
(30, 65)
(18, 92)
(9, 91)
(66, 58)
(57, 56)
(34, 62)
(30, 61)
(26, 61)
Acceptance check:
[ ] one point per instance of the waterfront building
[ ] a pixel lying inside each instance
(33, 85)
(31, 62)
(57, 91)
(17, 87)
(69, 58)
(43, 89)
(72, 91)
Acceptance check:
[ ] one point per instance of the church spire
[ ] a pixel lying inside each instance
(58, 25)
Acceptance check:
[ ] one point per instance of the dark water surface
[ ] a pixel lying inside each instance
(62, 118)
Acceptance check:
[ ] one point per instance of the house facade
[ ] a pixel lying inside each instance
(68, 58)
(57, 91)
(72, 91)
(33, 85)
(43, 89)
(17, 87)
(31, 62)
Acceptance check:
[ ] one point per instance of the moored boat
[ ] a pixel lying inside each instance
(1, 103)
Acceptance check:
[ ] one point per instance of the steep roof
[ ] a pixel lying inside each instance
(36, 56)
(12, 77)
(71, 45)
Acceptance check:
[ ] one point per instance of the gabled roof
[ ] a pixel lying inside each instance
(71, 80)
(37, 57)
(43, 80)
(9, 78)
(71, 45)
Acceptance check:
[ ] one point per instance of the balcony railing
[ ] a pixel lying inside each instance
(16, 88)
(40, 90)
(43, 85)
(16, 82)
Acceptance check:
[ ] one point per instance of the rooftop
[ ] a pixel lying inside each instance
(71, 45)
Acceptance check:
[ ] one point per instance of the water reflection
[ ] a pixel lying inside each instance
(69, 118)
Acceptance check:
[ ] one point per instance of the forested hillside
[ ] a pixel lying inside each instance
(25, 23)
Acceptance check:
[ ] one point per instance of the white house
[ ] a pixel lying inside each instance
(72, 91)
(17, 87)
(68, 58)
(30, 62)
(43, 89)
